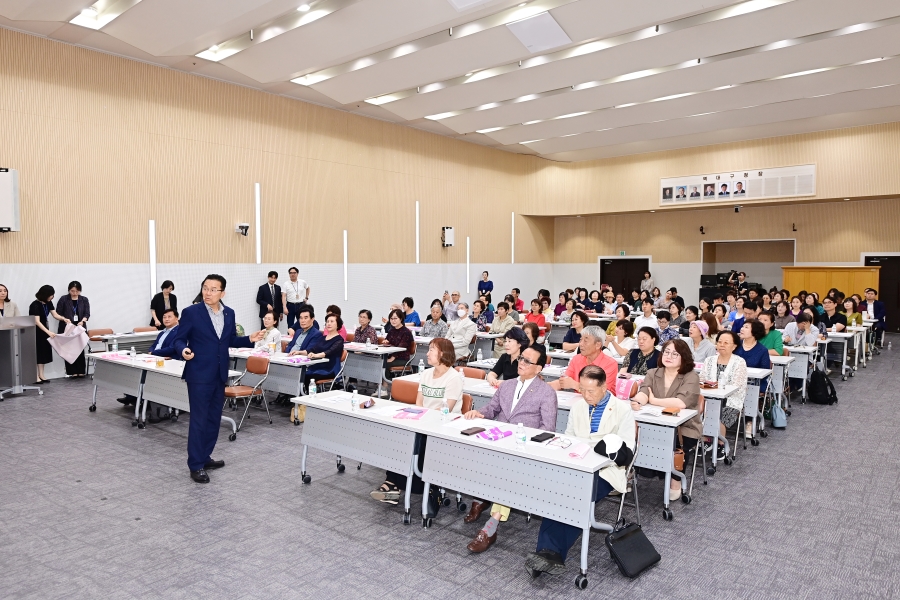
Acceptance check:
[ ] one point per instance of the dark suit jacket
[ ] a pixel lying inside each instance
(311, 338)
(196, 331)
(880, 311)
(536, 407)
(168, 347)
(158, 306)
(264, 298)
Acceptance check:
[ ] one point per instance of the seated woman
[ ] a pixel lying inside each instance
(436, 385)
(609, 425)
(594, 303)
(818, 325)
(754, 354)
(581, 300)
(365, 332)
(635, 304)
(690, 314)
(620, 342)
(783, 315)
(727, 368)
(272, 335)
(502, 324)
(796, 306)
(609, 303)
(776, 298)
(479, 317)
(766, 302)
(801, 332)
(675, 318)
(573, 335)
(488, 307)
(666, 331)
(700, 345)
(561, 305)
(713, 325)
(435, 326)
(674, 385)
(705, 306)
(398, 336)
(334, 309)
(507, 366)
(330, 346)
(720, 311)
(772, 340)
(854, 317)
(461, 331)
(513, 313)
(533, 333)
(622, 312)
(645, 356)
(566, 315)
(812, 300)
(546, 310)
(659, 301)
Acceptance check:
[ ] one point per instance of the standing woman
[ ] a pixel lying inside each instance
(75, 309)
(41, 309)
(161, 302)
(8, 308)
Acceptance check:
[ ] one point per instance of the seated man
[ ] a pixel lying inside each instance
(873, 309)
(526, 400)
(609, 423)
(590, 352)
(162, 346)
(748, 310)
(646, 318)
(666, 333)
(307, 334)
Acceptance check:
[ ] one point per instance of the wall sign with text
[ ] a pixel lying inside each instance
(758, 184)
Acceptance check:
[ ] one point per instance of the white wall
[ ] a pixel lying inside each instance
(766, 274)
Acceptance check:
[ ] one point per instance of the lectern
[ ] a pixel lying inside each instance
(17, 356)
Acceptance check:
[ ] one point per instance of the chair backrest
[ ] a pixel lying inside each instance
(701, 405)
(548, 359)
(258, 365)
(466, 403)
(94, 334)
(350, 337)
(412, 349)
(285, 343)
(471, 372)
(143, 329)
(404, 391)
(343, 357)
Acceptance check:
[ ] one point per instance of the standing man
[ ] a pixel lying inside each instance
(485, 286)
(294, 297)
(204, 335)
(269, 297)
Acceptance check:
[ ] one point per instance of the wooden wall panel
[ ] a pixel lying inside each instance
(849, 280)
(116, 142)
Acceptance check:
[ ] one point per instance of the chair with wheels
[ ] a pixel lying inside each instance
(443, 499)
(94, 337)
(256, 365)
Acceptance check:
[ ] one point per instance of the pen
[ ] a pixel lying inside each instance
(455, 418)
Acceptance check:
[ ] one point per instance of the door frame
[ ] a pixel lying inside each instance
(864, 255)
(600, 260)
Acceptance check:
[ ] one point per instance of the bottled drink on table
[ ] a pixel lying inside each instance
(354, 401)
(445, 410)
(520, 435)
(480, 356)
(421, 365)
(312, 389)
(115, 345)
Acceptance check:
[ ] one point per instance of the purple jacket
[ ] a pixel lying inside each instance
(536, 408)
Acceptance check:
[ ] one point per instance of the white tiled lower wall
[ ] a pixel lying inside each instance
(120, 293)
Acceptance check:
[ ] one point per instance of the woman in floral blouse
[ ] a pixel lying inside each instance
(365, 332)
(479, 316)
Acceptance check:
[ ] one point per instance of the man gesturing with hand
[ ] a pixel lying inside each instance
(205, 334)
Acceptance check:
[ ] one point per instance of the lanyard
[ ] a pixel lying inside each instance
(46, 309)
(75, 308)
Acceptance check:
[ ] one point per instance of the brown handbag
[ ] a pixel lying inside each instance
(679, 460)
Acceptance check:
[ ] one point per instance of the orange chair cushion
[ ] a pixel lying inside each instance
(238, 391)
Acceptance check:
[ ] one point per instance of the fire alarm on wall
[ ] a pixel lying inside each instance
(446, 236)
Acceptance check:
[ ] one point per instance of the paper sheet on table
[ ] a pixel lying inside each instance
(653, 411)
(337, 399)
(389, 411)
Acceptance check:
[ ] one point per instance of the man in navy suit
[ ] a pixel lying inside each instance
(873, 309)
(307, 334)
(205, 334)
(162, 346)
(268, 296)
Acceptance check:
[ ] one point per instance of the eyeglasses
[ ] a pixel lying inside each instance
(671, 354)
(211, 290)
(522, 359)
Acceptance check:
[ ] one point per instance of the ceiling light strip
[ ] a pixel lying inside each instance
(277, 26)
(714, 112)
(593, 46)
(683, 65)
(101, 13)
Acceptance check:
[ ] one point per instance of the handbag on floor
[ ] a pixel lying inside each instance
(631, 550)
(779, 417)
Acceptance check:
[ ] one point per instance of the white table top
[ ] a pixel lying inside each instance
(840, 334)
(375, 350)
(684, 415)
(431, 425)
(561, 354)
(720, 393)
(485, 363)
(782, 360)
(147, 362)
(487, 335)
(754, 373)
(801, 349)
(422, 340)
(279, 358)
(125, 337)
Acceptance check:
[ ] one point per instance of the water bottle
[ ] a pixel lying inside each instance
(421, 366)
(480, 355)
(445, 411)
(115, 345)
(368, 342)
(354, 402)
(889, 345)
(312, 389)
(520, 435)
(133, 354)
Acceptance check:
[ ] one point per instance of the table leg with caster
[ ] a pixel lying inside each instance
(303, 476)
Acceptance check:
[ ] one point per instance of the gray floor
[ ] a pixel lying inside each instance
(93, 508)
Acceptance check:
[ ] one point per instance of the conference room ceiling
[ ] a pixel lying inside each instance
(567, 80)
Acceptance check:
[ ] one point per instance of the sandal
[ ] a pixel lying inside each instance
(388, 492)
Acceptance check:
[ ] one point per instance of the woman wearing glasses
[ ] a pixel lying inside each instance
(674, 385)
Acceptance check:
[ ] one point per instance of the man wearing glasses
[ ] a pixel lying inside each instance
(526, 400)
(205, 334)
(609, 423)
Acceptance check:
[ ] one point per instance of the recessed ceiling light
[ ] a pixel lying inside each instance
(652, 211)
(846, 199)
(89, 12)
(469, 74)
(214, 48)
(303, 7)
(521, 5)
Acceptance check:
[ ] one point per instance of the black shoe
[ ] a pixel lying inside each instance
(200, 476)
(125, 400)
(214, 464)
(545, 561)
(720, 452)
(153, 420)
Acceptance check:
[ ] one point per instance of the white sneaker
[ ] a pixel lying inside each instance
(748, 430)
(674, 494)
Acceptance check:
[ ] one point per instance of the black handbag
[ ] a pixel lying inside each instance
(631, 550)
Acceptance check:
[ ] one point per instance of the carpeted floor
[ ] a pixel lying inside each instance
(93, 508)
